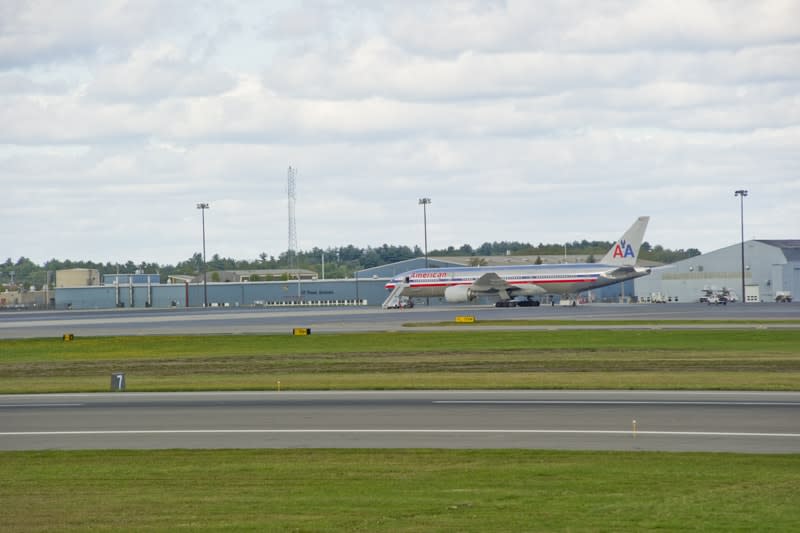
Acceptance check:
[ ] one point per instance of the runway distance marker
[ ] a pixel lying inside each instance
(117, 381)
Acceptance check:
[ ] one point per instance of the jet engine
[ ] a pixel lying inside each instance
(459, 294)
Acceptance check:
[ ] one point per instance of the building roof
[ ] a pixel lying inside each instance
(181, 278)
(392, 269)
(239, 275)
(789, 247)
(499, 260)
(272, 272)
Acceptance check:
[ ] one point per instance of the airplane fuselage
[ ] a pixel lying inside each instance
(527, 280)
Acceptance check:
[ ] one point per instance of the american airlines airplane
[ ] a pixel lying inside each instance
(522, 284)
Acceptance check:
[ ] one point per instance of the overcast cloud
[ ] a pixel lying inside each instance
(544, 121)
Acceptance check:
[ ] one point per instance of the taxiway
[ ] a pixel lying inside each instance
(348, 319)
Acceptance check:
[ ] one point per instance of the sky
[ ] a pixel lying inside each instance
(545, 121)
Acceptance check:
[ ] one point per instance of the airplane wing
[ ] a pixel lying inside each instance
(623, 272)
(492, 283)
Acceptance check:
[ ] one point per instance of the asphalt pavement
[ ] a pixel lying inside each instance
(753, 422)
(197, 321)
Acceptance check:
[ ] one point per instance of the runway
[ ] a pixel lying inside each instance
(752, 422)
(21, 324)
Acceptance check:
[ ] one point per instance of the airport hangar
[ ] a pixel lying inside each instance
(771, 267)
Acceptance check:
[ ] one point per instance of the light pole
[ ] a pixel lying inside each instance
(202, 207)
(741, 193)
(424, 202)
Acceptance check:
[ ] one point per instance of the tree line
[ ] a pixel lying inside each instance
(340, 262)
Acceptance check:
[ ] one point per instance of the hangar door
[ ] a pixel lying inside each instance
(795, 288)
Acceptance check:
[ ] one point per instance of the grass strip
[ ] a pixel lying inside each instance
(467, 341)
(668, 359)
(397, 490)
(754, 381)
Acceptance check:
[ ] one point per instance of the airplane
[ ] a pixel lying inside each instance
(523, 284)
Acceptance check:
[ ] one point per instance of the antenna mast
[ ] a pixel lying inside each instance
(292, 253)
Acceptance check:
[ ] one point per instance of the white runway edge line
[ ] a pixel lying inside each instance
(705, 403)
(395, 431)
(34, 405)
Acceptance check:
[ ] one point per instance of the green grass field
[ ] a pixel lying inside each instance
(403, 490)
(397, 490)
(752, 359)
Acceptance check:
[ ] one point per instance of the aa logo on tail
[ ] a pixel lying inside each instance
(623, 249)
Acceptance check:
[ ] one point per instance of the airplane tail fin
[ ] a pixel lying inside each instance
(626, 250)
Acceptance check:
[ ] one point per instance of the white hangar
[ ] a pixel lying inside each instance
(771, 268)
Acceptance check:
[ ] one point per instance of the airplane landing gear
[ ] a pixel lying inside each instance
(517, 303)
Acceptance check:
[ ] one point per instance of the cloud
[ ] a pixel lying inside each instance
(16, 83)
(448, 28)
(378, 68)
(52, 31)
(545, 121)
(155, 73)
